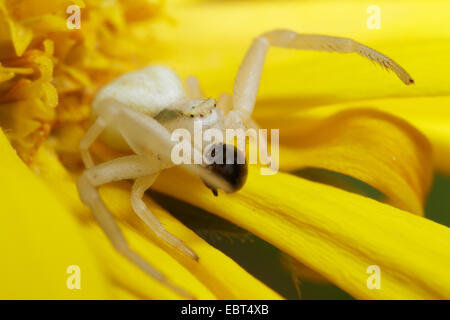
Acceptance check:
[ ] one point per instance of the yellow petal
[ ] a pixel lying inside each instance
(40, 239)
(431, 115)
(334, 232)
(223, 32)
(375, 147)
(214, 276)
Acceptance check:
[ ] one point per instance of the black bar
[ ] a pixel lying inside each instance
(231, 310)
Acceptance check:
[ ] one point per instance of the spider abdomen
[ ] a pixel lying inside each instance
(149, 90)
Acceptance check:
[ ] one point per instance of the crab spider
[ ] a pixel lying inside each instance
(140, 109)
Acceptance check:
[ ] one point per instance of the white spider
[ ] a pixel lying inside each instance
(140, 109)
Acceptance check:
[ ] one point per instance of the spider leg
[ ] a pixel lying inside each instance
(91, 135)
(225, 102)
(139, 187)
(262, 143)
(128, 167)
(249, 74)
(193, 88)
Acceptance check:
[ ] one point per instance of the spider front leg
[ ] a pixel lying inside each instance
(128, 167)
(249, 74)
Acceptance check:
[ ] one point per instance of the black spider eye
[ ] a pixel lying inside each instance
(229, 163)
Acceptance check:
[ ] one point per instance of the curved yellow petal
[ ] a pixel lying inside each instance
(334, 232)
(431, 115)
(380, 149)
(214, 276)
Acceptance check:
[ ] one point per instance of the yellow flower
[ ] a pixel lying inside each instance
(374, 129)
